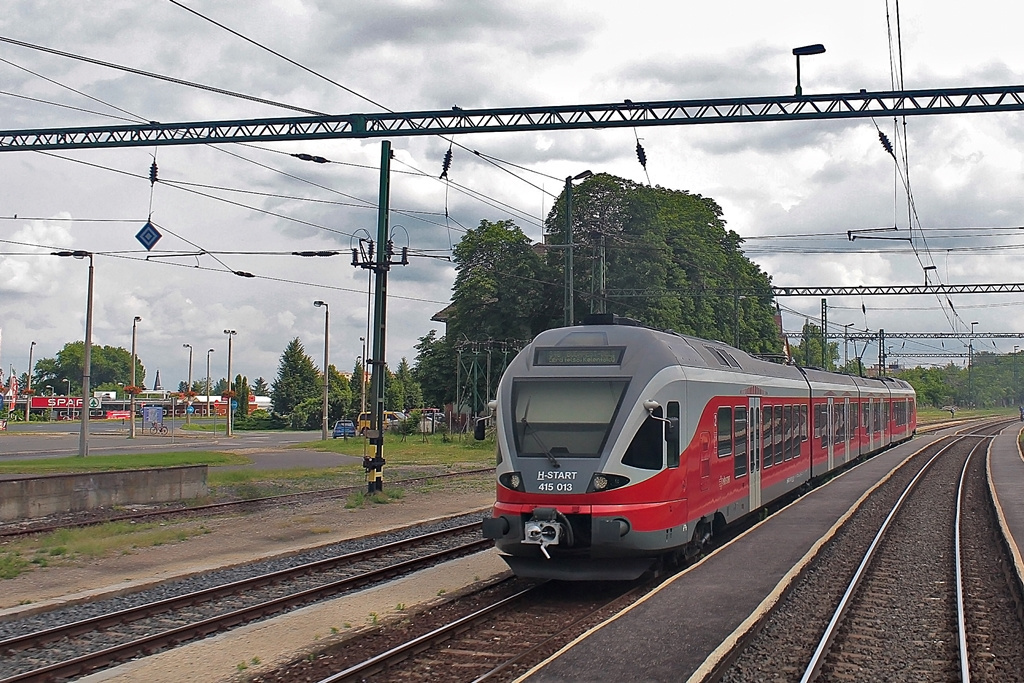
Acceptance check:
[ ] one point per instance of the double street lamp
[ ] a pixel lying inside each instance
(569, 318)
(208, 382)
(131, 408)
(188, 387)
(327, 334)
(83, 439)
(28, 389)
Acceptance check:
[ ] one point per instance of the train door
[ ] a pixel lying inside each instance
(754, 450)
(829, 427)
(847, 423)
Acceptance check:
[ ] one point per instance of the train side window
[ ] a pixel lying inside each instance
(803, 423)
(766, 436)
(646, 448)
(788, 429)
(673, 443)
(724, 432)
(739, 431)
(780, 433)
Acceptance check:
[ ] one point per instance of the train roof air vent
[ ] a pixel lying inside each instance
(609, 319)
(722, 357)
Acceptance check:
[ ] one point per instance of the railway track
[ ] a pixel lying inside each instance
(12, 530)
(492, 635)
(75, 648)
(928, 599)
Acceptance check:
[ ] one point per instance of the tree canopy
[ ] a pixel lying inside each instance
(109, 365)
(297, 379)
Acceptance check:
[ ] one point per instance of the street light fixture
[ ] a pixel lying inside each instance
(327, 334)
(28, 389)
(83, 438)
(131, 430)
(208, 382)
(815, 49)
(569, 317)
(188, 387)
(227, 427)
(67, 394)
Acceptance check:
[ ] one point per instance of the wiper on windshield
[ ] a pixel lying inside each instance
(547, 453)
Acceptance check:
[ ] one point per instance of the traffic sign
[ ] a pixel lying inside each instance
(94, 402)
(191, 409)
(234, 405)
(148, 236)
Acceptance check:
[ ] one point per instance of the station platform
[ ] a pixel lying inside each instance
(685, 627)
(1006, 482)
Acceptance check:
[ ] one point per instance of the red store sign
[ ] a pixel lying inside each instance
(56, 402)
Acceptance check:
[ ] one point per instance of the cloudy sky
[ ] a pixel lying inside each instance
(248, 206)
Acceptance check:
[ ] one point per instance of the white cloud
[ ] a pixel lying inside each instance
(770, 179)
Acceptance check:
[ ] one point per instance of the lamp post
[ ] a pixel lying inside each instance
(970, 367)
(327, 334)
(131, 408)
(227, 426)
(569, 318)
(815, 49)
(188, 388)
(28, 389)
(208, 382)
(1015, 347)
(83, 438)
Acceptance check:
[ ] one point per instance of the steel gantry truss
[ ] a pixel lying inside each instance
(568, 117)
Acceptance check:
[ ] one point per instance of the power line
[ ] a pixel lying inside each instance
(161, 77)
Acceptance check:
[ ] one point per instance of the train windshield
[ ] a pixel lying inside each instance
(567, 417)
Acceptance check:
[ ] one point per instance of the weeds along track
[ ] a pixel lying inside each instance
(64, 644)
(11, 530)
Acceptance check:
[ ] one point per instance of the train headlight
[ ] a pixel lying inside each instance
(606, 482)
(512, 480)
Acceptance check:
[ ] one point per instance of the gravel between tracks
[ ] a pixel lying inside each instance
(238, 539)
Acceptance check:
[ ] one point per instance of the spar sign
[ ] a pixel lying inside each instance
(57, 402)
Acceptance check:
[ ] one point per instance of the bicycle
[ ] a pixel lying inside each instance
(158, 428)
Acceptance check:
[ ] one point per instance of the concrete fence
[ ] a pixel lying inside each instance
(30, 497)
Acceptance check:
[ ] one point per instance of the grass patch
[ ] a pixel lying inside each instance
(927, 415)
(65, 545)
(418, 450)
(102, 463)
(11, 565)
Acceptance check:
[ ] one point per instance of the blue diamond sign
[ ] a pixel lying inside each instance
(148, 236)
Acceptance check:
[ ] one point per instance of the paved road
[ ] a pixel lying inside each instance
(61, 439)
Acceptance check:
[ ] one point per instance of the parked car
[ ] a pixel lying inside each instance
(343, 428)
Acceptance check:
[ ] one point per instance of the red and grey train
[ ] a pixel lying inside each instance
(618, 444)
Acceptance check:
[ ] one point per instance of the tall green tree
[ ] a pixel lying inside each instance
(358, 387)
(259, 387)
(667, 260)
(503, 289)
(242, 395)
(808, 352)
(339, 395)
(297, 379)
(412, 393)
(435, 370)
(108, 364)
